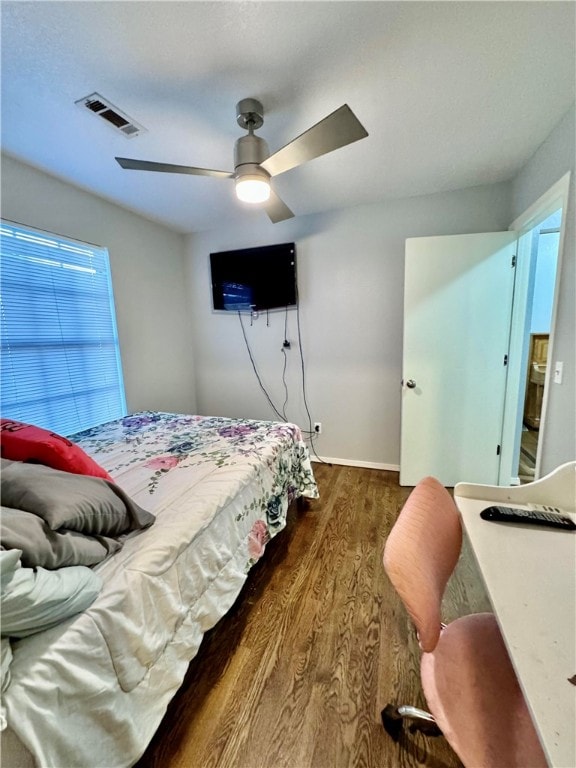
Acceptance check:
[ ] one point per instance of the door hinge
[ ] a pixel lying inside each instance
(505, 359)
(497, 450)
(514, 260)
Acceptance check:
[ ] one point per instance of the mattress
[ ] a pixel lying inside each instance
(92, 691)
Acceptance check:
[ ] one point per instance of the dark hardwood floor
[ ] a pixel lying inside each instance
(297, 673)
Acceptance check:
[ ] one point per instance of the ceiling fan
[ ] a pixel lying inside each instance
(253, 164)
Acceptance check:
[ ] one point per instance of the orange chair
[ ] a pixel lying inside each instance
(466, 673)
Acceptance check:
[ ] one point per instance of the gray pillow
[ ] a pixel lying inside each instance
(42, 546)
(76, 502)
(34, 600)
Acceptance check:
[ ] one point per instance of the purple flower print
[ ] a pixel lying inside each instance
(238, 430)
(136, 421)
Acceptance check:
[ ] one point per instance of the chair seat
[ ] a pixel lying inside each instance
(472, 690)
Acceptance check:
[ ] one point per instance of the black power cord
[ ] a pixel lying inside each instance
(311, 431)
(310, 434)
(262, 387)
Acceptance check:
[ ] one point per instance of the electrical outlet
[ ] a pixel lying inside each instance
(318, 427)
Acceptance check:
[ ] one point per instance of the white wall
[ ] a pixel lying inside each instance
(555, 157)
(147, 264)
(351, 277)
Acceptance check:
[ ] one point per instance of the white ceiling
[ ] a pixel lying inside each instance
(452, 94)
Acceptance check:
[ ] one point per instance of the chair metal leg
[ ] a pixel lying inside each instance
(393, 717)
(392, 721)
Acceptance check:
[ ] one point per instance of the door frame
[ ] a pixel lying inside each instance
(554, 198)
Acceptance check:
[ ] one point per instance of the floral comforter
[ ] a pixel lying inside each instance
(140, 451)
(220, 489)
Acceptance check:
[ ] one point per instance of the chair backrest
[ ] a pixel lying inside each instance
(420, 554)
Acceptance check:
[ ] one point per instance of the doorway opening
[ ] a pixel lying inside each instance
(541, 229)
(544, 250)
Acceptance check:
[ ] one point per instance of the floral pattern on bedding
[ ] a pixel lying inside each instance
(164, 443)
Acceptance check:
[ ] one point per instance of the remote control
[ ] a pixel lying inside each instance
(528, 516)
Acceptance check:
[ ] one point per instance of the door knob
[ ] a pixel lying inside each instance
(411, 384)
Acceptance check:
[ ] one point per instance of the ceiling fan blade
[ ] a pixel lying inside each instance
(340, 128)
(276, 209)
(146, 165)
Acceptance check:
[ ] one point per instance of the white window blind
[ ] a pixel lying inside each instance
(60, 358)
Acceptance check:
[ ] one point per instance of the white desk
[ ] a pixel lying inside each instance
(530, 577)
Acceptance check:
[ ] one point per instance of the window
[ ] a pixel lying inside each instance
(60, 358)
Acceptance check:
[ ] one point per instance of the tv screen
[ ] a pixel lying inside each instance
(254, 279)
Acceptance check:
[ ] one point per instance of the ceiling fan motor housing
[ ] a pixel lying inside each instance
(249, 152)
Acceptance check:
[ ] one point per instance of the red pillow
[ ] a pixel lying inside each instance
(24, 442)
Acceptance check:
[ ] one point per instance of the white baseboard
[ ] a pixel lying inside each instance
(354, 463)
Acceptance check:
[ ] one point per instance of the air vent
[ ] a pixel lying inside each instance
(115, 117)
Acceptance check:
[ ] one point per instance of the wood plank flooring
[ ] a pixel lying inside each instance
(295, 676)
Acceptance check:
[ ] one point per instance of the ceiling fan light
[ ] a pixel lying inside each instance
(252, 189)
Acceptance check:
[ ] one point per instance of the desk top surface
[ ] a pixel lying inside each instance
(530, 577)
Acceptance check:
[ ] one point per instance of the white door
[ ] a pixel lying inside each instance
(457, 310)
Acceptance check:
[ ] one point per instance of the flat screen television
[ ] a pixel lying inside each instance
(254, 279)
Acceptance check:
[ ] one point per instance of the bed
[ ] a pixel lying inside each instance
(91, 691)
